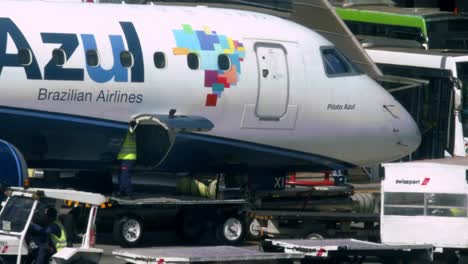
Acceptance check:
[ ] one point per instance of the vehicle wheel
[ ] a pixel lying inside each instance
(363, 202)
(463, 258)
(128, 231)
(231, 230)
(253, 231)
(448, 257)
(190, 226)
(313, 236)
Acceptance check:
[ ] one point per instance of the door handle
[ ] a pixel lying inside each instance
(265, 73)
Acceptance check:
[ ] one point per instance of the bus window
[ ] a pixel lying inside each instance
(446, 204)
(383, 30)
(406, 204)
(425, 204)
(448, 33)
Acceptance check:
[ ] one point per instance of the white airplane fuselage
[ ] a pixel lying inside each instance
(275, 105)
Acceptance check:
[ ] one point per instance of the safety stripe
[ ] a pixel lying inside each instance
(71, 203)
(63, 117)
(4, 249)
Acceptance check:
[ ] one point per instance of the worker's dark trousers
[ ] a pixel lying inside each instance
(125, 178)
(43, 254)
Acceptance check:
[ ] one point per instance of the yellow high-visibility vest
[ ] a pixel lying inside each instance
(128, 151)
(59, 242)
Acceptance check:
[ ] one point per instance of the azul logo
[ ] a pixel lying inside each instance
(69, 45)
(208, 45)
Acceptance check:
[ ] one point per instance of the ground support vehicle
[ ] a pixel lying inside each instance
(426, 202)
(282, 251)
(185, 255)
(191, 215)
(23, 205)
(316, 212)
(316, 225)
(349, 251)
(223, 220)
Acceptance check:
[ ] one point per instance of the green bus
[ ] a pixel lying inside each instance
(432, 28)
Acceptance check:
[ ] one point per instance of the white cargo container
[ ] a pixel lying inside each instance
(425, 202)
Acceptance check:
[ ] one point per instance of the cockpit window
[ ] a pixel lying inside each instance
(336, 64)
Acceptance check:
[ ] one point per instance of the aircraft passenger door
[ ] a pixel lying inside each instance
(273, 84)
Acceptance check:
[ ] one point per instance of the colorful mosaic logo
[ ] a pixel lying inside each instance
(208, 45)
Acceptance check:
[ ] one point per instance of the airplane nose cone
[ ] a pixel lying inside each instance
(404, 130)
(409, 135)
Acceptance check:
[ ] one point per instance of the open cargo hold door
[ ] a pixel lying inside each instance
(155, 134)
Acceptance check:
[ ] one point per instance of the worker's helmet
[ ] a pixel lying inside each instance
(51, 213)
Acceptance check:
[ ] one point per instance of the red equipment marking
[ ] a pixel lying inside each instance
(325, 182)
(320, 252)
(425, 181)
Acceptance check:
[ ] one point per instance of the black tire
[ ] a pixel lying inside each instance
(136, 2)
(463, 257)
(128, 231)
(231, 230)
(448, 257)
(190, 226)
(83, 262)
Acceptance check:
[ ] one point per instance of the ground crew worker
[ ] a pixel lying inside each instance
(458, 212)
(127, 157)
(52, 238)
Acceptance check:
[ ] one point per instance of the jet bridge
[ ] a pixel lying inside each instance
(430, 104)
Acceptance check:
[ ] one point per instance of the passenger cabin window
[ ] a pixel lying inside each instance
(383, 30)
(159, 60)
(224, 63)
(92, 58)
(59, 57)
(408, 204)
(24, 56)
(193, 61)
(126, 59)
(425, 204)
(336, 64)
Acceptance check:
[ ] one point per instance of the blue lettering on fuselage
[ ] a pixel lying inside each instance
(52, 71)
(69, 44)
(8, 27)
(97, 73)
